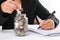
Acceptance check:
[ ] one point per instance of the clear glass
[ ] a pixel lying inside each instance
(21, 24)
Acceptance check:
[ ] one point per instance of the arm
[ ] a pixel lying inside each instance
(43, 13)
(6, 10)
(3, 16)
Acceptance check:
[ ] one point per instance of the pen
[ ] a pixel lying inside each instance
(48, 17)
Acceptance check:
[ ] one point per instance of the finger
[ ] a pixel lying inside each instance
(46, 25)
(8, 11)
(46, 22)
(12, 6)
(17, 4)
(42, 27)
(50, 24)
(41, 23)
(49, 28)
(45, 28)
(10, 0)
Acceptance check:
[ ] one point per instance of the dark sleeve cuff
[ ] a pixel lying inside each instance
(56, 21)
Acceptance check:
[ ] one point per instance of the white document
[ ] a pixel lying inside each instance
(34, 28)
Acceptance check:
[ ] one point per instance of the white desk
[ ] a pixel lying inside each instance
(10, 35)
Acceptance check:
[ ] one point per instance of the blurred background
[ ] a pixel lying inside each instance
(52, 5)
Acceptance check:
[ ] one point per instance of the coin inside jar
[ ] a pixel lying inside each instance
(21, 27)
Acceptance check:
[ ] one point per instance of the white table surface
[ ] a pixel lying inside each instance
(10, 35)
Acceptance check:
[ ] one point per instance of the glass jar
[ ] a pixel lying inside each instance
(21, 24)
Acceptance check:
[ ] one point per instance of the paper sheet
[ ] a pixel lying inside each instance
(33, 28)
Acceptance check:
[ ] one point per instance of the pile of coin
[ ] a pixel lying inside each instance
(21, 24)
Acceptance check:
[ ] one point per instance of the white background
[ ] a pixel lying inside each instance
(52, 5)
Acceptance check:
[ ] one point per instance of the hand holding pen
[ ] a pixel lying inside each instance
(47, 24)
